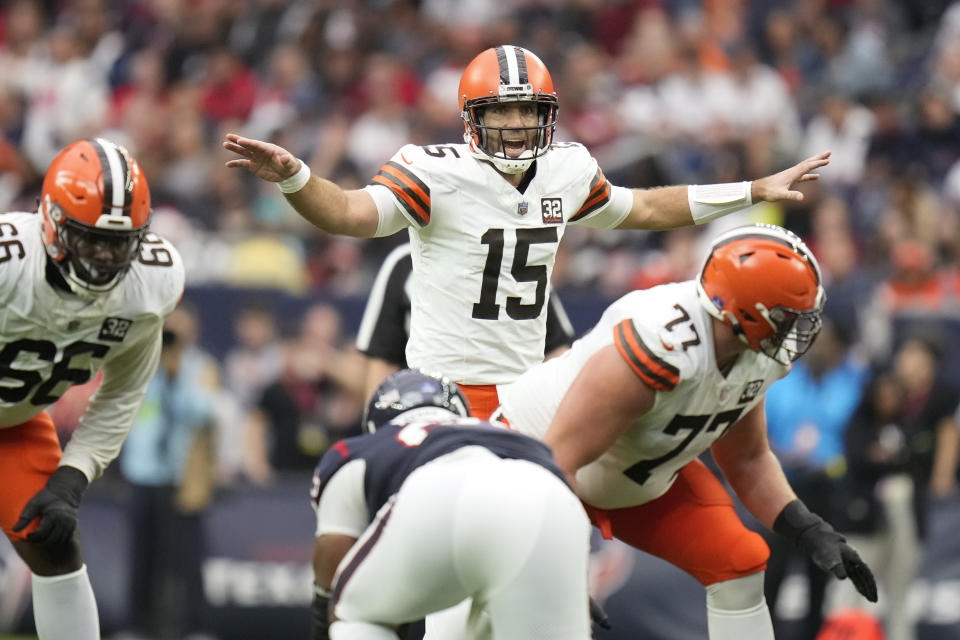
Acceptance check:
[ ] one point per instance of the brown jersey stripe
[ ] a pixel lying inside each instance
(599, 196)
(412, 191)
(405, 200)
(654, 371)
(410, 178)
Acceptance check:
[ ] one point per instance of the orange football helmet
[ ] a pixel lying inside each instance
(507, 74)
(95, 205)
(765, 283)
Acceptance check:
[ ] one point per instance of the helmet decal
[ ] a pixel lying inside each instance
(414, 394)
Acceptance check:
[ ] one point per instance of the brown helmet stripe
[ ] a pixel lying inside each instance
(513, 65)
(116, 175)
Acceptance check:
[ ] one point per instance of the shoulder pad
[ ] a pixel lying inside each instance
(661, 340)
(331, 462)
(156, 279)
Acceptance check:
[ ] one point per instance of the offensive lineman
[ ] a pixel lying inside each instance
(668, 373)
(485, 217)
(84, 288)
(433, 507)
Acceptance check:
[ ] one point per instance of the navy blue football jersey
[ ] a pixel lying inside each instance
(392, 452)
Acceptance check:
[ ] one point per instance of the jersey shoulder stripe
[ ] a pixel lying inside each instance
(653, 370)
(598, 197)
(411, 192)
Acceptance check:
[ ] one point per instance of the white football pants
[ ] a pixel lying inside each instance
(507, 533)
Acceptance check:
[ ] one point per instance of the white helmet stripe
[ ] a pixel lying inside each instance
(116, 164)
(513, 68)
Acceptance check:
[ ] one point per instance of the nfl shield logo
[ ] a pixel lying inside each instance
(522, 208)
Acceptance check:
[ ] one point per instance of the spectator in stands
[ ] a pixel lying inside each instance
(807, 413)
(901, 442)
(845, 126)
(313, 402)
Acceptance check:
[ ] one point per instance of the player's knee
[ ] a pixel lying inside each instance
(733, 556)
(51, 559)
(749, 553)
(736, 594)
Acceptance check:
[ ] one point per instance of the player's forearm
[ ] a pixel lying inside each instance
(670, 207)
(761, 485)
(328, 207)
(659, 208)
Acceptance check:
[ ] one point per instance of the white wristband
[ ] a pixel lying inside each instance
(710, 201)
(297, 181)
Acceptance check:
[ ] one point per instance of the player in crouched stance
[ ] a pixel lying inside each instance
(84, 288)
(417, 516)
(668, 373)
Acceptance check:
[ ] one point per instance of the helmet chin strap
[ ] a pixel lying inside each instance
(83, 289)
(503, 165)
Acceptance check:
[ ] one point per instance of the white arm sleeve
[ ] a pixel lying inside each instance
(616, 211)
(392, 218)
(342, 508)
(113, 408)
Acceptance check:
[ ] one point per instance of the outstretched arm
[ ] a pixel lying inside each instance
(670, 207)
(319, 201)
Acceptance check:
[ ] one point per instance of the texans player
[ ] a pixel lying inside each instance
(84, 288)
(433, 507)
(485, 217)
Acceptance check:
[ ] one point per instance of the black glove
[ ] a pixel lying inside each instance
(825, 547)
(598, 615)
(321, 616)
(56, 506)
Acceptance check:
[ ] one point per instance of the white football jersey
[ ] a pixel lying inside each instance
(52, 340)
(483, 251)
(666, 337)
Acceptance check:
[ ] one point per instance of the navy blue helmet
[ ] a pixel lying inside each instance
(410, 389)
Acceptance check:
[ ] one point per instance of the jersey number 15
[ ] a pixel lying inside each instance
(487, 308)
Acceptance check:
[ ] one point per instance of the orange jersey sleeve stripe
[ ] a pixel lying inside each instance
(598, 197)
(412, 193)
(654, 371)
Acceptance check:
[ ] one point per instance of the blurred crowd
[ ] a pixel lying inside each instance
(660, 91)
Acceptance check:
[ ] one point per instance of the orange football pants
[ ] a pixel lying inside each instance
(692, 526)
(29, 454)
(483, 399)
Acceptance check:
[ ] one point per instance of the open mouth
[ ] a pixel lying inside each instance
(513, 148)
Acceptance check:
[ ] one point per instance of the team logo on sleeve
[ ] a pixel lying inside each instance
(750, 391)
(114, 329)
(552, 210)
